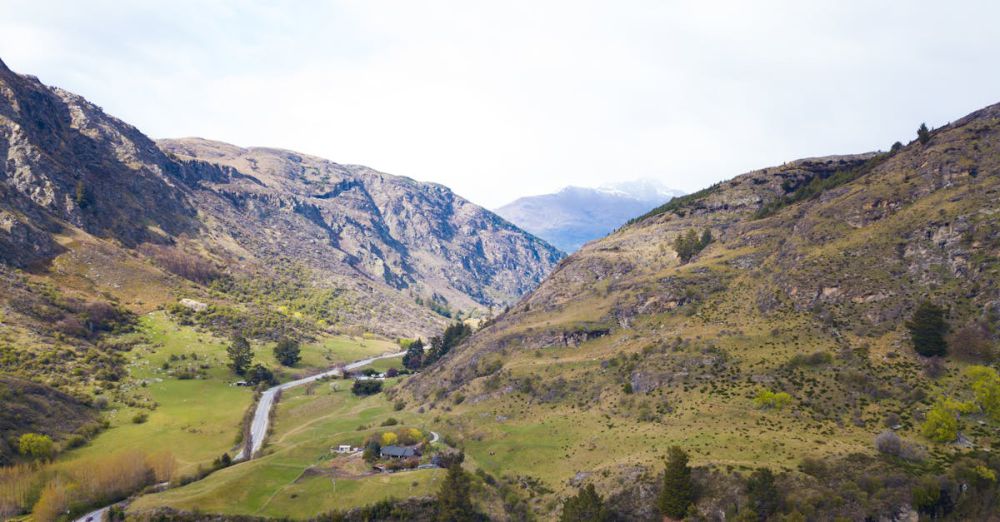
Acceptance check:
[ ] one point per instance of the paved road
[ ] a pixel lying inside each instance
(262, 416)
(94, 516)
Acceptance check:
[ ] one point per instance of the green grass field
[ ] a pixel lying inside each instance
(308, 424)
(197, 419)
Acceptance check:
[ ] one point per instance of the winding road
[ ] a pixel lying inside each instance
(262, 417)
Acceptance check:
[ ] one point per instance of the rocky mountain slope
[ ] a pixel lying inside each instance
(388, 241)
(98, 223)
(812, 270)
(575, 215)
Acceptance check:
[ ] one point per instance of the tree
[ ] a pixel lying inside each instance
(927, 330)
(688, 245)
(414, 356)
(258, 374)
(678, 490)
(389, 438)
(453, 335)
(287, 352)
(36, 446)
(454, 502)
(896, 147)
(923, 134)
(373, 450)
(240, 355)
(586, 506)
(763, 494)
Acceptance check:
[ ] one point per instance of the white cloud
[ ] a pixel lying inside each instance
(498, 100)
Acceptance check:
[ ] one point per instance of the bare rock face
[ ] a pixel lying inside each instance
(383, 244)
(412, 236)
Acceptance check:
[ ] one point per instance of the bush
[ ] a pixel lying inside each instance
(140, 417)
(364, 388)
(766, 399)
(258, 374)
(689, 244)
(390, 422)
(927, 330)
(36, 445)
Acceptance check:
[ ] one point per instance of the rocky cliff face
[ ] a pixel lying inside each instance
(412, 236)
(385, 246)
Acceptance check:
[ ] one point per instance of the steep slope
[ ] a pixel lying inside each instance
(813, 269)
(412, 236)
(576, 215)
(379, 244)
(98, 223)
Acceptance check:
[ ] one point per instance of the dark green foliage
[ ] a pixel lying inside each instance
(373, 448)
(689, 244)
(287, 351)
(927, 330)
(678, 489)
(441, 345)
(454, 501)
(923, 134)
(414, 357)
(763, 494)
(586, 506)
(240, 355)
(896, 147)
(223, 461)
(364, 388)
(259, 374)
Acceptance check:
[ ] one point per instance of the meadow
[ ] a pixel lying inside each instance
(294, 476)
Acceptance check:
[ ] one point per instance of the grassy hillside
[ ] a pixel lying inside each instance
(810, 273)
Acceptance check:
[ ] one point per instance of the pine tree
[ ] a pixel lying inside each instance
(453, 499)
(764, 496)
(414, 357)
(240, 355)
(678, 490)
(923, 134)
(927, 330)
(586, 506)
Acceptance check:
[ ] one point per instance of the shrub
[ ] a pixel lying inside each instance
(390, 422)
(140, 417)
(766, 399)
(927, 330)
(941, 423)
(36, 445)
(259, 374)
(923, 134)
(763, 494)
(364, 388)
(986, 388)
(972, 343)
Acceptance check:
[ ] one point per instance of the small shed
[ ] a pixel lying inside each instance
(344, 448)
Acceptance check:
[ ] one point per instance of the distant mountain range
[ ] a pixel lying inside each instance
(575, 215)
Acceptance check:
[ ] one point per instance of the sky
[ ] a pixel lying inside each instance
(504, 99)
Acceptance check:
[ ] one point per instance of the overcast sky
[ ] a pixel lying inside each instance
(503, 99)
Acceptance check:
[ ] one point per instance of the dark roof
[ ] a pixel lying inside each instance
(398, 451)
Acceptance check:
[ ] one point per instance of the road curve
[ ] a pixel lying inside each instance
(262, 415)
